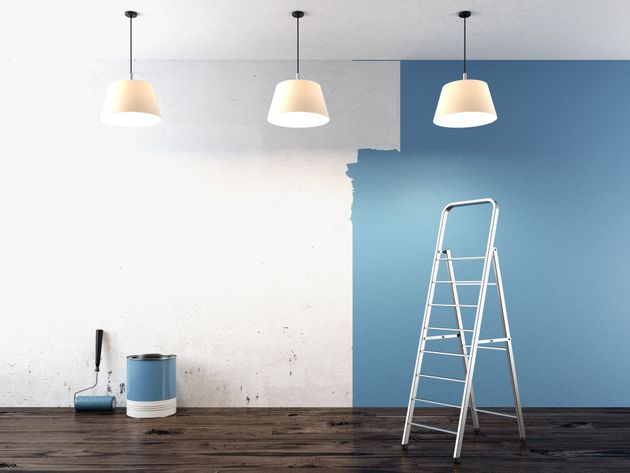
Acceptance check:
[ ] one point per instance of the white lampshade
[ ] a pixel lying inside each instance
(130, 103)
(298, 104)
(465, 103)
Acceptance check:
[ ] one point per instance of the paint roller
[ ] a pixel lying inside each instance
(94, 403)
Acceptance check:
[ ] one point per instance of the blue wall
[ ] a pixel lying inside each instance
(558, 162)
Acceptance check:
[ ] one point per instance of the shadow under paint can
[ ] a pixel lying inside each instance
(151, 385)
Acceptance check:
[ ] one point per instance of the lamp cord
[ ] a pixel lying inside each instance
(297, 72)
(130, 47)
(465, 68)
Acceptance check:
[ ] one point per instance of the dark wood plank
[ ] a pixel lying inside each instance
(251, 439)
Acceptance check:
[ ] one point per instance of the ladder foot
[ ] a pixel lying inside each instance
(523, 439)
(456, 461)
(404, 446)
(476, 430)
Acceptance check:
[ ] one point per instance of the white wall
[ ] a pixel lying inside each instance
(215, 235)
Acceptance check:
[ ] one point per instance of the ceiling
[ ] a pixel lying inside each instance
(331, 29)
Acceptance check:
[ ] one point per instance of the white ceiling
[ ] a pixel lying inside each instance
(332, 29)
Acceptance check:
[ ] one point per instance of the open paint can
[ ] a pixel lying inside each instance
(151, 385)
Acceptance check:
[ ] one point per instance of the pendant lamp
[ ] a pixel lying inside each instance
(130, 103)
(465, 103)
(298, 103)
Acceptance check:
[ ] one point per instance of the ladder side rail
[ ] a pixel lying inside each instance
(510, 352)
(415, 381)
(462, 335)
(477, 329)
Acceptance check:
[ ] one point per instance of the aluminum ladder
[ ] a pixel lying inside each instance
(430, 333)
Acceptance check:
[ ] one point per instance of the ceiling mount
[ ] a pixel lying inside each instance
(131, 14)
(464, 14)
(297, 14)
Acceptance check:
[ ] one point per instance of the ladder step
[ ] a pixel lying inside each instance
(496, 413)
(430, 427)
(449, 329)
(463, 283)
(443, 378)
(441, 337)
(446, 404)
(453, 305)
(494, 340)
(445, 353)
(462, 258)
(481, 347)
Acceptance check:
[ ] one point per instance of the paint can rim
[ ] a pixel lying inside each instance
(151, 356)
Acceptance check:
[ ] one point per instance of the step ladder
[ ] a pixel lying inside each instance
(467, 352)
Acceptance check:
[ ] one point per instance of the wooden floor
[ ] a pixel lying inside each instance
(199, 440)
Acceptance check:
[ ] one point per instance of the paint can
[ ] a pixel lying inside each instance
(151, 385)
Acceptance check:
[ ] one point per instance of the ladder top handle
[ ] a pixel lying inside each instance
(466, 203)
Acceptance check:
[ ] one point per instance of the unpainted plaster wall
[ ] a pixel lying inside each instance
(214, 236)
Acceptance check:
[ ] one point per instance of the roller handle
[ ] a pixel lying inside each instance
(99, 347)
